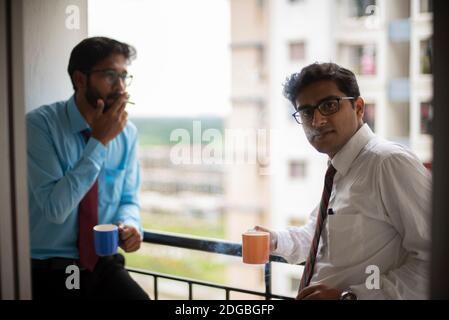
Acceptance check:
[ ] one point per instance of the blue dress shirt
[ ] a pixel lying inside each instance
(62, 168)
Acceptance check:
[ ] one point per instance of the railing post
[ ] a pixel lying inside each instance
(155, 288)
(190, 291)
(267, 273)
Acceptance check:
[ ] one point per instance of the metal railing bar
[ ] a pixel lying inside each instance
(204, 283)
(198, 243)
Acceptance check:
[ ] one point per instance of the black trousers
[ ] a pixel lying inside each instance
(109, 280)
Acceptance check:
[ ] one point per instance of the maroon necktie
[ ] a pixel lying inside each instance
(321, 218)
(88, 218)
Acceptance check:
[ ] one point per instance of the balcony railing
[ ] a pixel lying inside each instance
(205, 245)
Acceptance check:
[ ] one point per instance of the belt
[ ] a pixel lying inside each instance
(55, 263)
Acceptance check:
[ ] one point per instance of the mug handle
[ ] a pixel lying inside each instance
(119, 242)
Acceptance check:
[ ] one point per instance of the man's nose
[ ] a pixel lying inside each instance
(120, 84)
(318, 119)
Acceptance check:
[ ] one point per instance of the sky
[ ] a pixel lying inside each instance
(183, 56)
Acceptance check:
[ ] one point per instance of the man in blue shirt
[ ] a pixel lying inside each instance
(74, 146)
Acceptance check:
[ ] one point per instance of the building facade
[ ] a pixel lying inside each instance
(386, 43)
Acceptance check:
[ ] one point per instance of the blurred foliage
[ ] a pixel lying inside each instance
(157, 131)
(197, 265)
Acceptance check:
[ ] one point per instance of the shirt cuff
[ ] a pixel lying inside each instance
(95, 151)
(284, 243)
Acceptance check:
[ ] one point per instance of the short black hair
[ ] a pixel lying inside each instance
(91, 51)
(343, 78)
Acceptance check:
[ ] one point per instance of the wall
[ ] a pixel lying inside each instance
(34, 50)
(47, 46)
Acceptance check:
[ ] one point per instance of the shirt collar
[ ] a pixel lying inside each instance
(343, 159)
(76, 120)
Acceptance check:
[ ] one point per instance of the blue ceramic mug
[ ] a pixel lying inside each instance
(106, 239)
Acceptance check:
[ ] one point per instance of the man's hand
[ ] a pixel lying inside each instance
(130, 238)
(273, 237)
(319, 292)
(106, 126)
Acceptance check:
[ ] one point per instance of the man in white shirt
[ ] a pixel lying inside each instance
(375, 238)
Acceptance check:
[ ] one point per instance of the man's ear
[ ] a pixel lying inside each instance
(359, 105)
(79, 79)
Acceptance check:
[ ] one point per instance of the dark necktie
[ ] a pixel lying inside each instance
(321, 218)
(88, 218)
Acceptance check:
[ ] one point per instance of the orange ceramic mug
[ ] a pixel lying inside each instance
(255, 247)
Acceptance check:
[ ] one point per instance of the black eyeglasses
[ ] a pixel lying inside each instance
(112, 76)
(305, 114)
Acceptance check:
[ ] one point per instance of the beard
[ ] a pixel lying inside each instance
(92, 95)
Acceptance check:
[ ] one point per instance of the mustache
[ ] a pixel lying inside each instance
(315, 132)
(113, 96)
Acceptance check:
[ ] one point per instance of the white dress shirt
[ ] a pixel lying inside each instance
(381, 199)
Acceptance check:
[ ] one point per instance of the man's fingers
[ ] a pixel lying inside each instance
(132, 244)
(273, 236)
(120, 104)
(312, 296)
(100, 107)
(259, 228)
(135, 247)
(121, 110)
(307, 291)
(127, 232)
(130, 238)
(124, 116)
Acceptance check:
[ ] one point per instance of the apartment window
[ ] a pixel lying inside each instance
(369, 116)
(426, 56)
(297, 51)
(425, 6)
(297, 169)
(360, 8)
(361, 59)
(426, 117)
